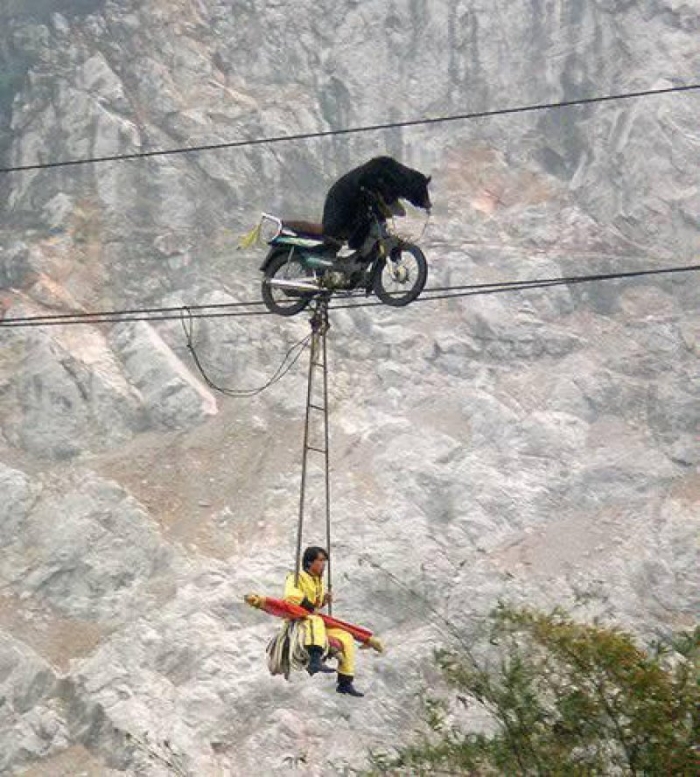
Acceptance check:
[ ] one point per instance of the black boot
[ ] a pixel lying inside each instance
(345, 685)
(315, 662)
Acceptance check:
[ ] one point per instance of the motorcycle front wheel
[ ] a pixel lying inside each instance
(285, 301)
(402, 276)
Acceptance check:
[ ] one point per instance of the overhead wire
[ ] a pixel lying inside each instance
(570, 278)
(117, 317)
(196, 311)
(481, 289)
(427, 121)
(136, 311)
(171, 313)
(188, 314)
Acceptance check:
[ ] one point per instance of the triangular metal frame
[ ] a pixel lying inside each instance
(317, 361)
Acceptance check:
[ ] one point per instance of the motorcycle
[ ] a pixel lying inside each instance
(303, 264)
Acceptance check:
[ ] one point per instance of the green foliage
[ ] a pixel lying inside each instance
(565, 698)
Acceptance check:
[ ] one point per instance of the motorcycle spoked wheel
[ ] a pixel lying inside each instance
(285, 302)
(402, 276)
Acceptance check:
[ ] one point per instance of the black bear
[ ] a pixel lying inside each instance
(347, 213)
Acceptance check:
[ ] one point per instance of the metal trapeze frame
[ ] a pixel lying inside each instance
(317, 361)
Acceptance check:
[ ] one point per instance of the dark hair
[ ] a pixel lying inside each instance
(311, 554)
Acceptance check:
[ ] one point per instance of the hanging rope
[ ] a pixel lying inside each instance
(286, 650)
(285, 366)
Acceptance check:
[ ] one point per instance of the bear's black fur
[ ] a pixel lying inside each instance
(347, 210)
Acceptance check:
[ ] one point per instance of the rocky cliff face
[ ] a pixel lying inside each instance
(541, 446)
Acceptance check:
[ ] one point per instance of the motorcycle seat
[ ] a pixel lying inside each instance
(311, 229)
(307, 228)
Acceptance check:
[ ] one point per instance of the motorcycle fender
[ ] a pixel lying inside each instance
(272, 253)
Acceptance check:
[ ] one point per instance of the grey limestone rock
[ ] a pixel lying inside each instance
(19, 495)
(32, 728)
(69, 392)
(90, 552)
(173, 398)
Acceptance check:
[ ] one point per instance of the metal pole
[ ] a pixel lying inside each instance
(302, 492)
(327, 449)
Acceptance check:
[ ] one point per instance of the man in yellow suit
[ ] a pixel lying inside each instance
(309, 592)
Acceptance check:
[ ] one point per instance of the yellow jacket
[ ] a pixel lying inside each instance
(308, 593)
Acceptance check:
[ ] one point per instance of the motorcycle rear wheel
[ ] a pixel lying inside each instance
(285, 302)
(402, 276)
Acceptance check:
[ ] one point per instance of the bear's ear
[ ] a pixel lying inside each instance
(428, 179)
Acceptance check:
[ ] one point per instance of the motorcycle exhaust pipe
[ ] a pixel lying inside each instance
(280, 283)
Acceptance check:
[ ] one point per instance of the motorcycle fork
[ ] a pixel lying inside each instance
(375, 268)
(381, 255)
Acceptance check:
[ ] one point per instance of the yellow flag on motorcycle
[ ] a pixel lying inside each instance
(250, 238)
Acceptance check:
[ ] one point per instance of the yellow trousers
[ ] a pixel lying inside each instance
(317, 634)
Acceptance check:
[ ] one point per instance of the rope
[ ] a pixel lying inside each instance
(280, 372)
(353, 130)
(286, 650)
